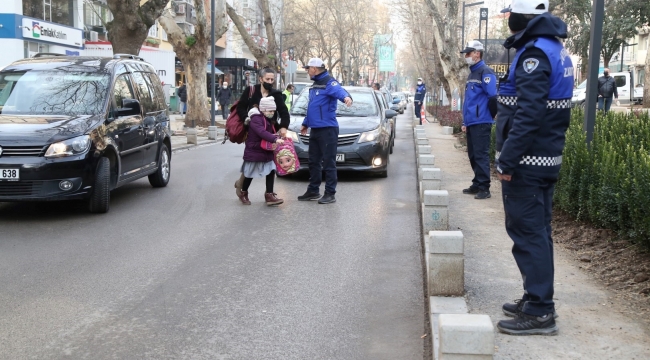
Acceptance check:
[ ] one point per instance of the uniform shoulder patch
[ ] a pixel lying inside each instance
(487, 79)
(530, 65)
(334, 83)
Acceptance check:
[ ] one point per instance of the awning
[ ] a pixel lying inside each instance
(208, 69)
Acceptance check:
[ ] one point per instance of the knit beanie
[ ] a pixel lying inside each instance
(267, 104)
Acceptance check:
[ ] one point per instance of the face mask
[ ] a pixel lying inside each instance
(470, 61)
(225, 86)
(419, 82)
(267, 86)
(269, 114)
(517, 22)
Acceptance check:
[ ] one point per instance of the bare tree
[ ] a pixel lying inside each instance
(266, 56)
(193, 50)
(131, 22)
(445, 20)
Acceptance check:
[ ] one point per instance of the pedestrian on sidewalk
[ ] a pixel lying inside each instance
(479, 110)
(223, 97)
(258, 162)
(606, 89)
(287, 94)
(420, 91)
(323, 137)
(534, 112)
(182, 96)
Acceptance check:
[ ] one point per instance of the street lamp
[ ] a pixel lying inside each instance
(212, 130)
(623, 46)
(463, 26)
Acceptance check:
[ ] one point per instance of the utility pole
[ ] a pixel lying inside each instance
(212, 130)
(596, 35)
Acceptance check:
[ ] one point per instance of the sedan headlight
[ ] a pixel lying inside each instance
(293, 135)
(369, 136)
(74, 146)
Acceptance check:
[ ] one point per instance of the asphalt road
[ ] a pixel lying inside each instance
(187, 272)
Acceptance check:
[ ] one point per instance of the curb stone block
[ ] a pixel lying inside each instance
(447, 130)
(424, 149)
(435, 215)
(192, 136)
(424, 141)
(429, 173)
(429, 185)
(447, 305)
(426, 160)
(446, 242)
(465, 336)
(446, 271)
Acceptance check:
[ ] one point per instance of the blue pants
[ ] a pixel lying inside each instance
(418, 108)
(528, 202)
(606, 102)
(322, 157)
(478, 150)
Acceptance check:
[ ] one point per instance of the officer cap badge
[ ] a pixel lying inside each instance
(530, 65)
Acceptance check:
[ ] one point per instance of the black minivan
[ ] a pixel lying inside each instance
(76, 127)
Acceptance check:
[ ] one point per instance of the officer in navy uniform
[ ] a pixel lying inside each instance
(533, 115)
(418, 100)
(479, 110)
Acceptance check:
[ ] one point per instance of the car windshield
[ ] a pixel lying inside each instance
(363, 105)
(52, 92)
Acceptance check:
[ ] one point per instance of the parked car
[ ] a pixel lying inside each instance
(399, 99)
(364, 132)
(298, 87)
(75, 127)
(393, 121)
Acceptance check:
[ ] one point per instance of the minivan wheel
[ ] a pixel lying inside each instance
(161, 177)
(100, 197)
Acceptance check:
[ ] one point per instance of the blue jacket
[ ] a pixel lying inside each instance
(480, 105)
(323, 95)
(535, 101)
(420, 91)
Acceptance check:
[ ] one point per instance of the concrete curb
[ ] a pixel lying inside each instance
(191, 146)
(455, 334)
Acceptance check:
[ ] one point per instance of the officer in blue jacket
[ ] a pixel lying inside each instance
(534, 114)
(479, 110)
(418, 99)
(323, 137)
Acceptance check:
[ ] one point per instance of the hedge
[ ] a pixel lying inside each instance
(447, 117)
(608, 183)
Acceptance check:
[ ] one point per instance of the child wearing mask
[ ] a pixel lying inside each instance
(258, 162)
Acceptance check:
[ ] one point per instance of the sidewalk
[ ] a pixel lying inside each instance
(179, 138)
(590, 322)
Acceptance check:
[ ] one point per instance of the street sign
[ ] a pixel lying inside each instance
(484, 13)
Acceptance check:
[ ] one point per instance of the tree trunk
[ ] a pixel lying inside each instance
(445, 28)
(196, 57)
(646, 84)
(131, 22)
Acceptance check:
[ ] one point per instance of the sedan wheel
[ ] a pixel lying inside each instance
(100, 198)
(161, 177)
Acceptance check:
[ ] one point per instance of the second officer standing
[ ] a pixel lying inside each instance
(479, 110)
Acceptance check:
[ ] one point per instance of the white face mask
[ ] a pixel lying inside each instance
(470, 61)
(225, 86)
(419, 82)
(269, 114)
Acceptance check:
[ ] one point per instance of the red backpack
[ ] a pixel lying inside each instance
(236, 132)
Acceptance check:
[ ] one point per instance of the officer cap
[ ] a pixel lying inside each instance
(473, 46)
(534, 7)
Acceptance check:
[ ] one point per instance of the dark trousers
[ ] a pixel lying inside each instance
(322, 157)
(224, 110)
(418, 108)
(528, 202)
(605, 103)
(478, 151)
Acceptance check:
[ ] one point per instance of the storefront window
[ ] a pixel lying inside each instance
(55, 11)
(33, 48)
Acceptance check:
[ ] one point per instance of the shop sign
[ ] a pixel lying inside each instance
(46, 31)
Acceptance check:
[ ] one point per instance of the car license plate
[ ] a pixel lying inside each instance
(10, 174)
(340, 157)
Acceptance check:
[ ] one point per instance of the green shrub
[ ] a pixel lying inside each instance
(606, 183)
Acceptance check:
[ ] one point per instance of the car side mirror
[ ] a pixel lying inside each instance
(396, 101)
(129, 107)
(391, 113)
